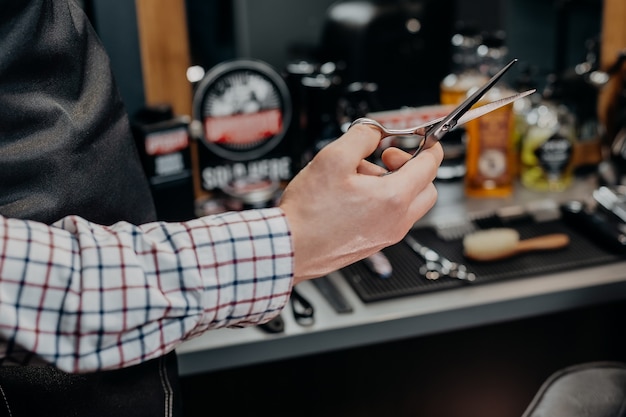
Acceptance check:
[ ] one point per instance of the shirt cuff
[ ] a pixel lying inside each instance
(252, 255)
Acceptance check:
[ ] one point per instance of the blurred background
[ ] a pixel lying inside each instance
(550, 35)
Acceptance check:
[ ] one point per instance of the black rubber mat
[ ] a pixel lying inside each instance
(407, 280)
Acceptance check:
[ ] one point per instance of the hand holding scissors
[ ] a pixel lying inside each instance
(434, 130)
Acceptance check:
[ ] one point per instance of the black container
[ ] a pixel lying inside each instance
(401, 45)
(163, 143)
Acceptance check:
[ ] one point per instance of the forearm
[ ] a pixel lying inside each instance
(87, 297)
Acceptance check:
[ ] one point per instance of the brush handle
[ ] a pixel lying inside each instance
(551, 241)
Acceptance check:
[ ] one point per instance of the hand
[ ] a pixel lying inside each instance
(341, 210)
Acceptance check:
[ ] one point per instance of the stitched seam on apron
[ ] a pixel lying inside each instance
(167, 388)
(6, 402)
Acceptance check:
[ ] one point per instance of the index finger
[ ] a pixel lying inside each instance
(359, 142)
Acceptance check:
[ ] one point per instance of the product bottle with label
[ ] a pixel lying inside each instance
(163, 143)
(490, 158)
(453, 89)
(521, 108)
(547, 152)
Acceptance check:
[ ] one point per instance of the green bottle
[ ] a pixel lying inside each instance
(547, 148)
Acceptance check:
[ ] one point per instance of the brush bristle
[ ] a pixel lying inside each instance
(490, 243)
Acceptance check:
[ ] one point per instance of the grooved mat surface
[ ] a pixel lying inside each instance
(407, 280)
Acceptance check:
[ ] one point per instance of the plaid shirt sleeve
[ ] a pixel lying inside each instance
(86, 297)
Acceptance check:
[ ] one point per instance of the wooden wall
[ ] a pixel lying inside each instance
(164, 44)
(613, 31)
(165, 58)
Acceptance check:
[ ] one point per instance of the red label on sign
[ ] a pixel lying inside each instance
(410, 117)
(243, 129)
(161, 143)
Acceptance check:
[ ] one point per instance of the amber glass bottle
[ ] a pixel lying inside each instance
(490, 160)
(453, 89)
(489, 156)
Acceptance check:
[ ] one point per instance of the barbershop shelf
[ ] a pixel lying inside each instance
(414, 315)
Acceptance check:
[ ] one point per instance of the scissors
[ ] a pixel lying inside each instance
(303, 311)
(434, 130)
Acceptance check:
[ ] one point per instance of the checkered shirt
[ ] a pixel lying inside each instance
(84, 297)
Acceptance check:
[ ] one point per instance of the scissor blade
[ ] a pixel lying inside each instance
(478, 111)
(452, 119)
(494, 105)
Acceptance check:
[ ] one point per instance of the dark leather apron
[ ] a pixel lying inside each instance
(66, 148)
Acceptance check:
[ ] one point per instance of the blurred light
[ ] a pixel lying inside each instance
(599, 77)
(359, 13)
(195, 73)
(328, 68)
(583, 68)
(413, 25)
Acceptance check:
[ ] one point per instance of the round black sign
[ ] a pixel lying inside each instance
(244, 109)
